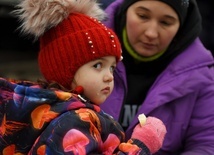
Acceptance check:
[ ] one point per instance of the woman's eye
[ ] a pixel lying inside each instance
(165, 23)
(143, 16)
(97, 65)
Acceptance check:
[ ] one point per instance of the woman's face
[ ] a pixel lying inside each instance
(151, 25)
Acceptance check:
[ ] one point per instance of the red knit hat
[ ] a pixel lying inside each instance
(71, 40)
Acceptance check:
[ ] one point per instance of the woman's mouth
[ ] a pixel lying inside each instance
(148, 45)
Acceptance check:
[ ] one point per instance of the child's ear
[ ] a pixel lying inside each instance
(73, 84)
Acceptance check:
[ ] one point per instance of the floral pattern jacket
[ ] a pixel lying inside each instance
(41, 121)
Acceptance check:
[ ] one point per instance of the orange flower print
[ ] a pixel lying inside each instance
(42, 114)
(131, 148)
(2, 127)
(10, 150)
(74, 141)
(9, 127)
(41, 150)
(63, 95)
(110, 144)
(90, 116)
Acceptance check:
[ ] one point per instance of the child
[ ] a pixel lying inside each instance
(77, 54)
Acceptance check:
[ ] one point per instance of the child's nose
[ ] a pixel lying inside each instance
(108, 77)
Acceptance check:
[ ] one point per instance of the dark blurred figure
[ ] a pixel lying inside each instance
(18, 53)
(207, 33)
(11, 38)
(105, 3)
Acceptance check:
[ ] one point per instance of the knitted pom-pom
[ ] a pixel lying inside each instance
(40, 15)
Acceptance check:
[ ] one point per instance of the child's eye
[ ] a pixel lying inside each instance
(98, 65)
(112, 68)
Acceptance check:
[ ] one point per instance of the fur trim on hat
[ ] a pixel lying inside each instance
(40, 15)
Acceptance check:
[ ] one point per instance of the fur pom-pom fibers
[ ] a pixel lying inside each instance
(38, 16)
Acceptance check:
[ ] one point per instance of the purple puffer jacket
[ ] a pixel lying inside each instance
(182, 97)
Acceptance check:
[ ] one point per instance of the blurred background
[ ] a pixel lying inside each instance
(18, 54)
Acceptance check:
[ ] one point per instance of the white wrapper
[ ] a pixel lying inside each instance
(142, 119)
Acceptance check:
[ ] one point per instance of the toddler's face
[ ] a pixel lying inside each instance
(96, 77)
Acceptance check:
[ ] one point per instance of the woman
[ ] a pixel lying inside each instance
(166, 72)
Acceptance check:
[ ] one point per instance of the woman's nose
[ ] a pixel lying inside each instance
(151, 31)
